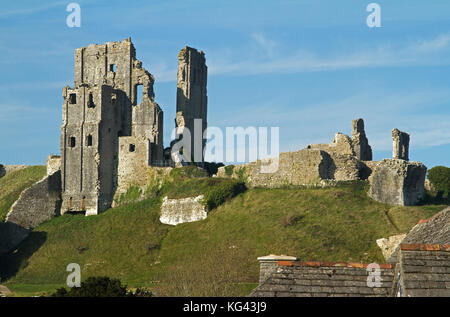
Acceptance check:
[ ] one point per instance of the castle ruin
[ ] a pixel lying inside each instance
(400, 149)
(109, 130)
(192, 102)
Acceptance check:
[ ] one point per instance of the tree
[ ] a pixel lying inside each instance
(101, 286)
(439, 176)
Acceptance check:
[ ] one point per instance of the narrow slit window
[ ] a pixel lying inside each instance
(112, 68)
(72, 141)
(132, 147)
(89, 140)
(91, 101)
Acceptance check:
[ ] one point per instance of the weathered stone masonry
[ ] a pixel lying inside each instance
(108, 136)
(192, 100)
(102, 108)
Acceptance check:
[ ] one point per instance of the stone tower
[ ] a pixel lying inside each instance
(360, 144)
(192, 101)
(400, 148)
(100, 113)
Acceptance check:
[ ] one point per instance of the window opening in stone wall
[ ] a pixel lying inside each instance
(89, 140)
(112, 68)
(72, 141)
(132, 147)
(139, 94)
(73, 99)
(91, 101)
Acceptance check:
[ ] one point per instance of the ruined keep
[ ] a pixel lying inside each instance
(400, 148)
(192, 101)
(110, 131)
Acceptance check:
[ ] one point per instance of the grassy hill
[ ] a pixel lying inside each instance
(213, 257)
(14, 183)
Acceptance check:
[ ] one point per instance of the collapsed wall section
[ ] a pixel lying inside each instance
(398, 182)
(38, 203)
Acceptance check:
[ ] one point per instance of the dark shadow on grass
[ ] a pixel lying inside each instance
(434, 199)
(12, 262)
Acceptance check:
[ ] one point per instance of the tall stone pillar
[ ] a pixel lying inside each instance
(360, 144)
(400, 149)
(192, 101)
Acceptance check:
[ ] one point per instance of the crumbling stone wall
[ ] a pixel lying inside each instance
(304, 167)
(101, 108)
(400, 148)
(398, 182)
(341, 144)
(176, 211)
(6, 169)
(38, 203)
(360, 144)
(192, 97)
(53, 164)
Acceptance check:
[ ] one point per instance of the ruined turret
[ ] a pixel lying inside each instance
(400, 149)
(192, 101)
(360, 144)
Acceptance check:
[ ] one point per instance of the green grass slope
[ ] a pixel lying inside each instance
(213, 257)
(14, 183)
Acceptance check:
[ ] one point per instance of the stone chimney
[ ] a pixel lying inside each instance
(400, 149)
(268, 264)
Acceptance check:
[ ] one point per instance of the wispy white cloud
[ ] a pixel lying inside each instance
(422, 52)
(267, 56)
(33, 9)
(318, 122)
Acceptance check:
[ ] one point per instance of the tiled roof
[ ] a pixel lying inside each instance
(435, 230)
(310, 279)
(424, 270)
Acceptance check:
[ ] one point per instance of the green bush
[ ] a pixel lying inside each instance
(439, 176)
(212, 167)
(101, 286)
(190, 171)
(95, 287)
(241, 174)
(221, 192)
(229, 170)
(133, 194)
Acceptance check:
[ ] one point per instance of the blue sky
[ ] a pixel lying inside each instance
(308, 67)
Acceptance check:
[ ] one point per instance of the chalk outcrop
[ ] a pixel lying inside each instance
(390, 244)
(176, 211)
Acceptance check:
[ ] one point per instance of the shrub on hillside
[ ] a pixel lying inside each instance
(229, 170)
(212, 167)
(221, 192)
(101, 286)
(190, 171)
(439, 176)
